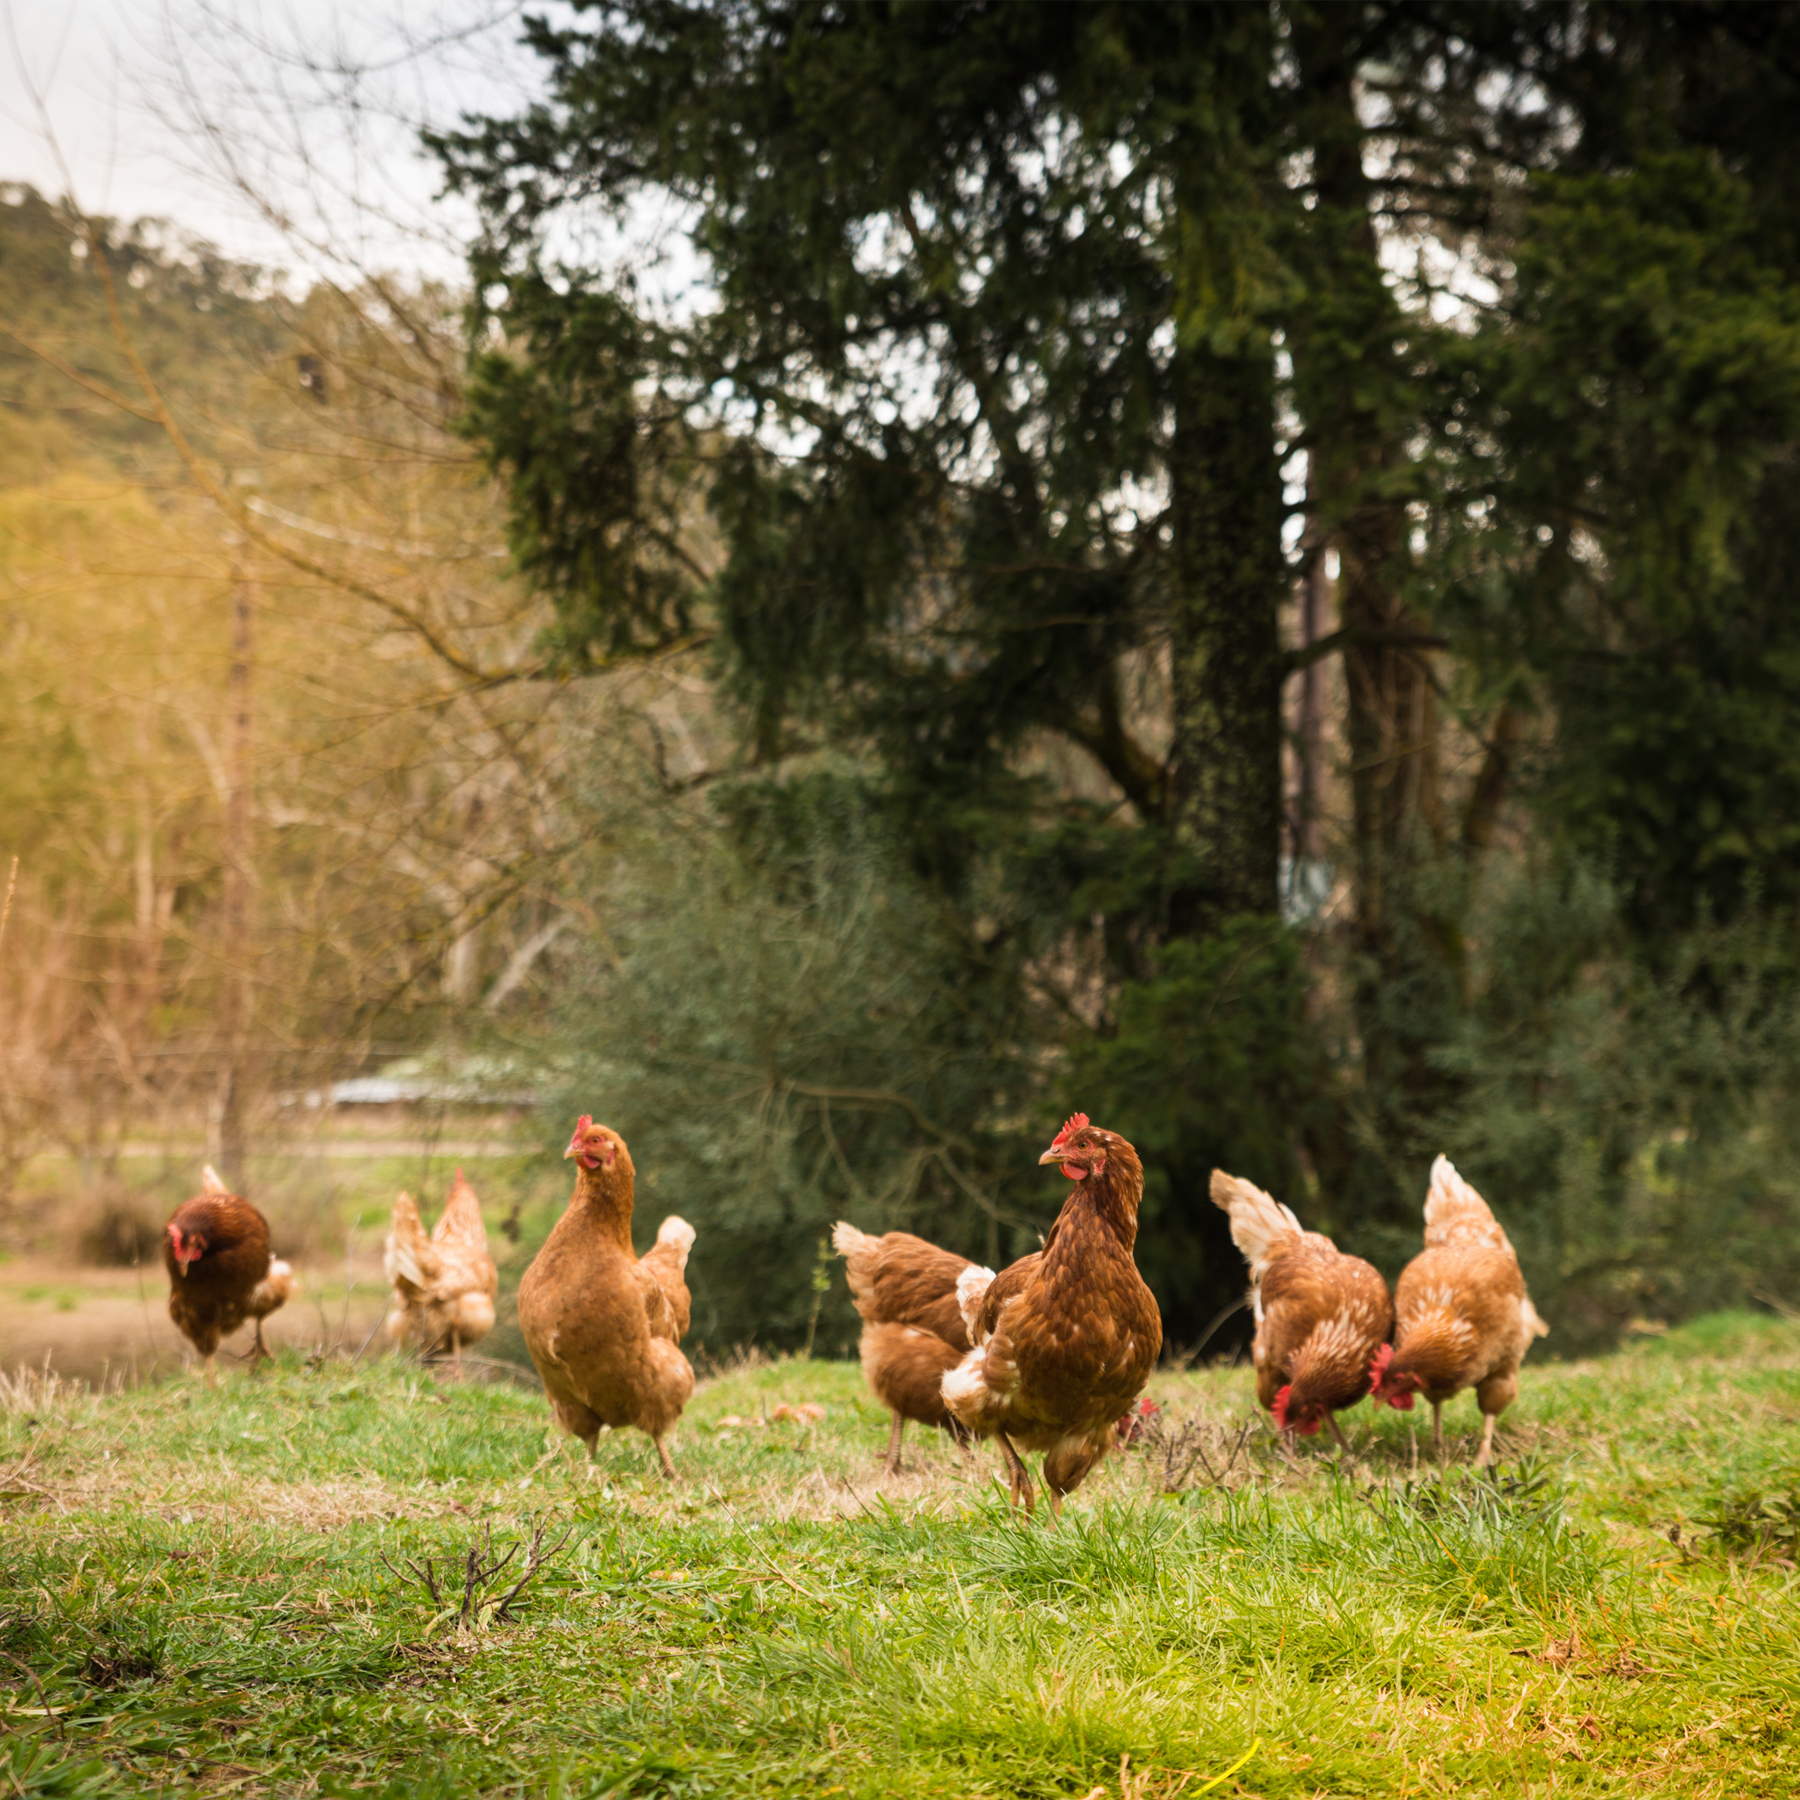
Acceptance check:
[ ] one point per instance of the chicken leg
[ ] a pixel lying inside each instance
(1486, 1453)
(668, 1468)
(1337, 1431)
(1437, 1429)
(259, 1351)
(893, 1449)
(211, 1367)
(1018, 1476)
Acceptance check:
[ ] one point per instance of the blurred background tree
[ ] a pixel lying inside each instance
(1221, 566)
(1045, 353)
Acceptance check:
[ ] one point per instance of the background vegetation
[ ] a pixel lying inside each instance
(1224, 567)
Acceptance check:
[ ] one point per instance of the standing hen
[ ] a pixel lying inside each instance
(602, 1325)
(913, 1332)
(1065, 1337)
(1320, 1315)
(445, 1286)
(1463, 1317)
(216, 1249)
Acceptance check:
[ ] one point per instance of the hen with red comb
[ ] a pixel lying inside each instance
(1064, 1338)
(1462, 1316)
(216, 1249)
(602, 1323)
(1319, 1314)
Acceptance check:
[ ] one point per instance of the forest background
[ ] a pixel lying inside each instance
(1221, 566)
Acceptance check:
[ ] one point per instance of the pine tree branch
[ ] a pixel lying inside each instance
(1352, 637)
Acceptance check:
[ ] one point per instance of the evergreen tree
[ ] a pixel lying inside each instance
(1011, 315)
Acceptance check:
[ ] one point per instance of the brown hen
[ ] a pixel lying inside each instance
(1064, 1338)
(1462, 1316)
(602, 1325)
(913, 1332)
(445, 1285)
(216, 1249)
(1320, 1315)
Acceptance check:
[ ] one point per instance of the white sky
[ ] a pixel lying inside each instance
(283, 131)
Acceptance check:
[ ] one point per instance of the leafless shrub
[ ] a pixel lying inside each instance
(484, 1601)
(1194, 1452)
(117, 1228)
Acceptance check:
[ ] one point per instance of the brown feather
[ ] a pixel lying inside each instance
(913, 1329)
(1320, 1315)
(1068, 1335)
(1462, 1316)
(601, 1326)
(214, 1297)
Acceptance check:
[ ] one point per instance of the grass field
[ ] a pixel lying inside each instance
(208, 1592)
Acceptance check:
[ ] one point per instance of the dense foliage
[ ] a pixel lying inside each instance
(1040, 354)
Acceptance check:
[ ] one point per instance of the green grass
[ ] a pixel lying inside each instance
(196, 1596)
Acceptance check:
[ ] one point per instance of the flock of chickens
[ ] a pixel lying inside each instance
(1048, 1355)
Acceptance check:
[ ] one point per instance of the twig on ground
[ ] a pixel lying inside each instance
(482, 1603)
(380, 1319)
(527, 1377)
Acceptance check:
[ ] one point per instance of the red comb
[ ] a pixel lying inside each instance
(1280, 1408)
(1401, 1398)
(1077, 1122)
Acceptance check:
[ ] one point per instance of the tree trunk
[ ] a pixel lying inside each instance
(1223, 792)
(1350, 382)
(236, 1000)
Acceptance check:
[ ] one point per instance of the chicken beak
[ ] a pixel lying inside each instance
(1051, 1156)
(574, 1149)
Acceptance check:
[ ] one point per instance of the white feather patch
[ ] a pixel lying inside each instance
(971, 1287)
(965, 1386)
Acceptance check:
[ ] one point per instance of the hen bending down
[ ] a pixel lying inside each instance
(1064, 1338)
(1462, 1316)
(1320, 1315)
(602, 1325)
(913, 1331)
(445, 1285)
(216, 1249)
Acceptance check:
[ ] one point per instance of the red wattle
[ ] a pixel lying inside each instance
(1074, 1171)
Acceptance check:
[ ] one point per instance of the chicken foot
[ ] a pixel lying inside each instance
(893, 1450)
(1018, 1476)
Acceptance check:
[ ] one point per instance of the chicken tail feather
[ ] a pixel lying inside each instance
(410, 1257)
(677, 1231)
(1260, 1224)
(1456, 1214)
